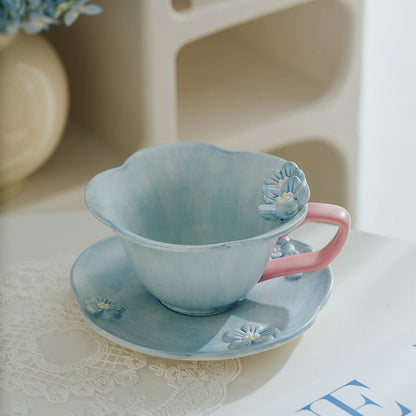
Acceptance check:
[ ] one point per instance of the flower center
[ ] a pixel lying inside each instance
(281, 182)
(248, 336)
(286, 196)
(103, 305)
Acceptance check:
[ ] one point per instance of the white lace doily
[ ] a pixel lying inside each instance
(52, 362)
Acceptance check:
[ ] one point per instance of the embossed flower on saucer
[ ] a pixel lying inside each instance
(285, 193)
(283, 248)
(103, 306)
(249, 334)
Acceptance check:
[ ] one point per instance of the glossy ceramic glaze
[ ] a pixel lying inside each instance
(187, 217)
(115, 304)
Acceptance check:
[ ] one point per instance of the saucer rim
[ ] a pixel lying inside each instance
(197, 356)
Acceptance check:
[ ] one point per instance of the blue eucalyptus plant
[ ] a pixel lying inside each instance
(33, 16)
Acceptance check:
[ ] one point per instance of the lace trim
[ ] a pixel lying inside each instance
(39, 316)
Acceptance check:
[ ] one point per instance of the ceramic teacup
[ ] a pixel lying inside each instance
(186, 214)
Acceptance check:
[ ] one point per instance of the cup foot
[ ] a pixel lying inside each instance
(192, 312)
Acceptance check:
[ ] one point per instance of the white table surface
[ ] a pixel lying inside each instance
(359, 358)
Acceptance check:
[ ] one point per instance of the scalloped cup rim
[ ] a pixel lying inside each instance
(282, 228)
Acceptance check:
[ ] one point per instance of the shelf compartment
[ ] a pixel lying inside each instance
(249, 75)
(195, 19)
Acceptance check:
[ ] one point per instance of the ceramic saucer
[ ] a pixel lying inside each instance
(115, 304)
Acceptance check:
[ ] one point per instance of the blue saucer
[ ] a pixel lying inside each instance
(115, 304)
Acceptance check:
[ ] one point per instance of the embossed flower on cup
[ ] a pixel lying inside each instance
(285, 193)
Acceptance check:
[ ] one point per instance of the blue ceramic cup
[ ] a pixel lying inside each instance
(186, 214)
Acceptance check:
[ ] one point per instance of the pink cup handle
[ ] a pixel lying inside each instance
(316, 260)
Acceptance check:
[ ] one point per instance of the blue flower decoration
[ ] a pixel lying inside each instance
(33, 16)
(103, 306)
(288, 169)
(283, 248)
(75, 9)
(285, 193)
(39, 18)
(249, 334)
(11, 15)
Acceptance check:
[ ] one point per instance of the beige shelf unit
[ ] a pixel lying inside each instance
(277, 76)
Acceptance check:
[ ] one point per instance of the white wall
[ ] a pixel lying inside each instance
(387, 186)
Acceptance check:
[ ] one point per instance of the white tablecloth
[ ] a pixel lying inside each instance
(359, 358)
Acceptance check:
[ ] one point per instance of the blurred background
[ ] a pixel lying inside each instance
(328, 84)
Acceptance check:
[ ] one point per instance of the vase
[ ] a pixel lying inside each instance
(33, 107)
